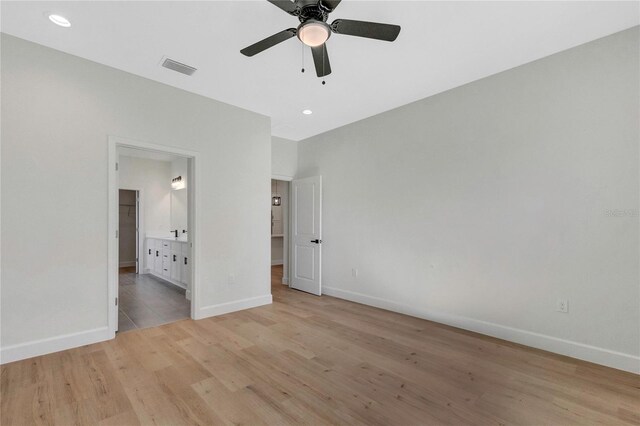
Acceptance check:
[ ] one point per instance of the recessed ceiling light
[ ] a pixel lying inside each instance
(307, 112)
(59, 20)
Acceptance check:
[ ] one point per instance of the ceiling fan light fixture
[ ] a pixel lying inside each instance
(314, 33)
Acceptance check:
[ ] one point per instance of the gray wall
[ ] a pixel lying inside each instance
(484, 205)
(284, 157)
(57, 112)
(154, 179)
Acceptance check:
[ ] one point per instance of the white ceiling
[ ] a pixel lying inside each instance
(442, 45)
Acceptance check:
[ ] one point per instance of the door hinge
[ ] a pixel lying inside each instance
(116, 233)
(116, 301)
(116, 167)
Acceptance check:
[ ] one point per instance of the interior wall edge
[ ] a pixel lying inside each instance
(602, 356)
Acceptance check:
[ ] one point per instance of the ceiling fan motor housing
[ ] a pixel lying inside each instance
(312, 10)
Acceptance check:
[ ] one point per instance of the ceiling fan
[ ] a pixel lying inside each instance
(314, 31)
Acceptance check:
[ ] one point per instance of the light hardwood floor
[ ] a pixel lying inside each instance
(312, 360)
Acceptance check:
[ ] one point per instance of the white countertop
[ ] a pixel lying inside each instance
(178, 240)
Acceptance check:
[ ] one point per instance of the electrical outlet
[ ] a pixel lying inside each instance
(232, 279)
(562, 306)
(354, 272)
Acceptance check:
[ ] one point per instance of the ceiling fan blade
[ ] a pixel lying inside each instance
(269, 42)
(286, 5)
(321, 60)
(331, 4)
(376, 30)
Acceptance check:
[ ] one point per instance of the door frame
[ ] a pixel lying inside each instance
(193, 182)
(139, 226)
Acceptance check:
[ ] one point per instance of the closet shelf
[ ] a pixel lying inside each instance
(277, 235)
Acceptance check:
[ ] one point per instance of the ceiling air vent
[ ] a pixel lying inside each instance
(177, 66)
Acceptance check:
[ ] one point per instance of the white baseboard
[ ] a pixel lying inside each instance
(285, 280)
(277, 262)
(127, 264)
(54, 344)
(621, 361)
(237, 305)
(180, 285)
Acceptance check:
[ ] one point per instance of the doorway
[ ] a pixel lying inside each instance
(280, 227)
(152, 254)
(128, 229)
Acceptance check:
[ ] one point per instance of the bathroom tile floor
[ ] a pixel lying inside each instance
(147, 301)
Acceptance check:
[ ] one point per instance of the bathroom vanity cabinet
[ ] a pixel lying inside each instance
(169, 259)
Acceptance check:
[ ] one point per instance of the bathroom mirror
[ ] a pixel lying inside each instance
(179, 210)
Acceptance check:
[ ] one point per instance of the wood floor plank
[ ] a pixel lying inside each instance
(312, 360)
(229, 406)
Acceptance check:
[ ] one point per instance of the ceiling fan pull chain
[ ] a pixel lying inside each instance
(324, 60)
(302, 57)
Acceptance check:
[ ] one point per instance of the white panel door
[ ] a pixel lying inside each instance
(306, 238)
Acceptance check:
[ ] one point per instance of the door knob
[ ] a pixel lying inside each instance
(316, 241)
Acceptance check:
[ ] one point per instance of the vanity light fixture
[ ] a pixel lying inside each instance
(177, 183)
(59, 20)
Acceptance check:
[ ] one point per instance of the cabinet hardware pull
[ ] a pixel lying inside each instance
(174, 257)
(149, 251)
(157, 254)
(185, 260)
